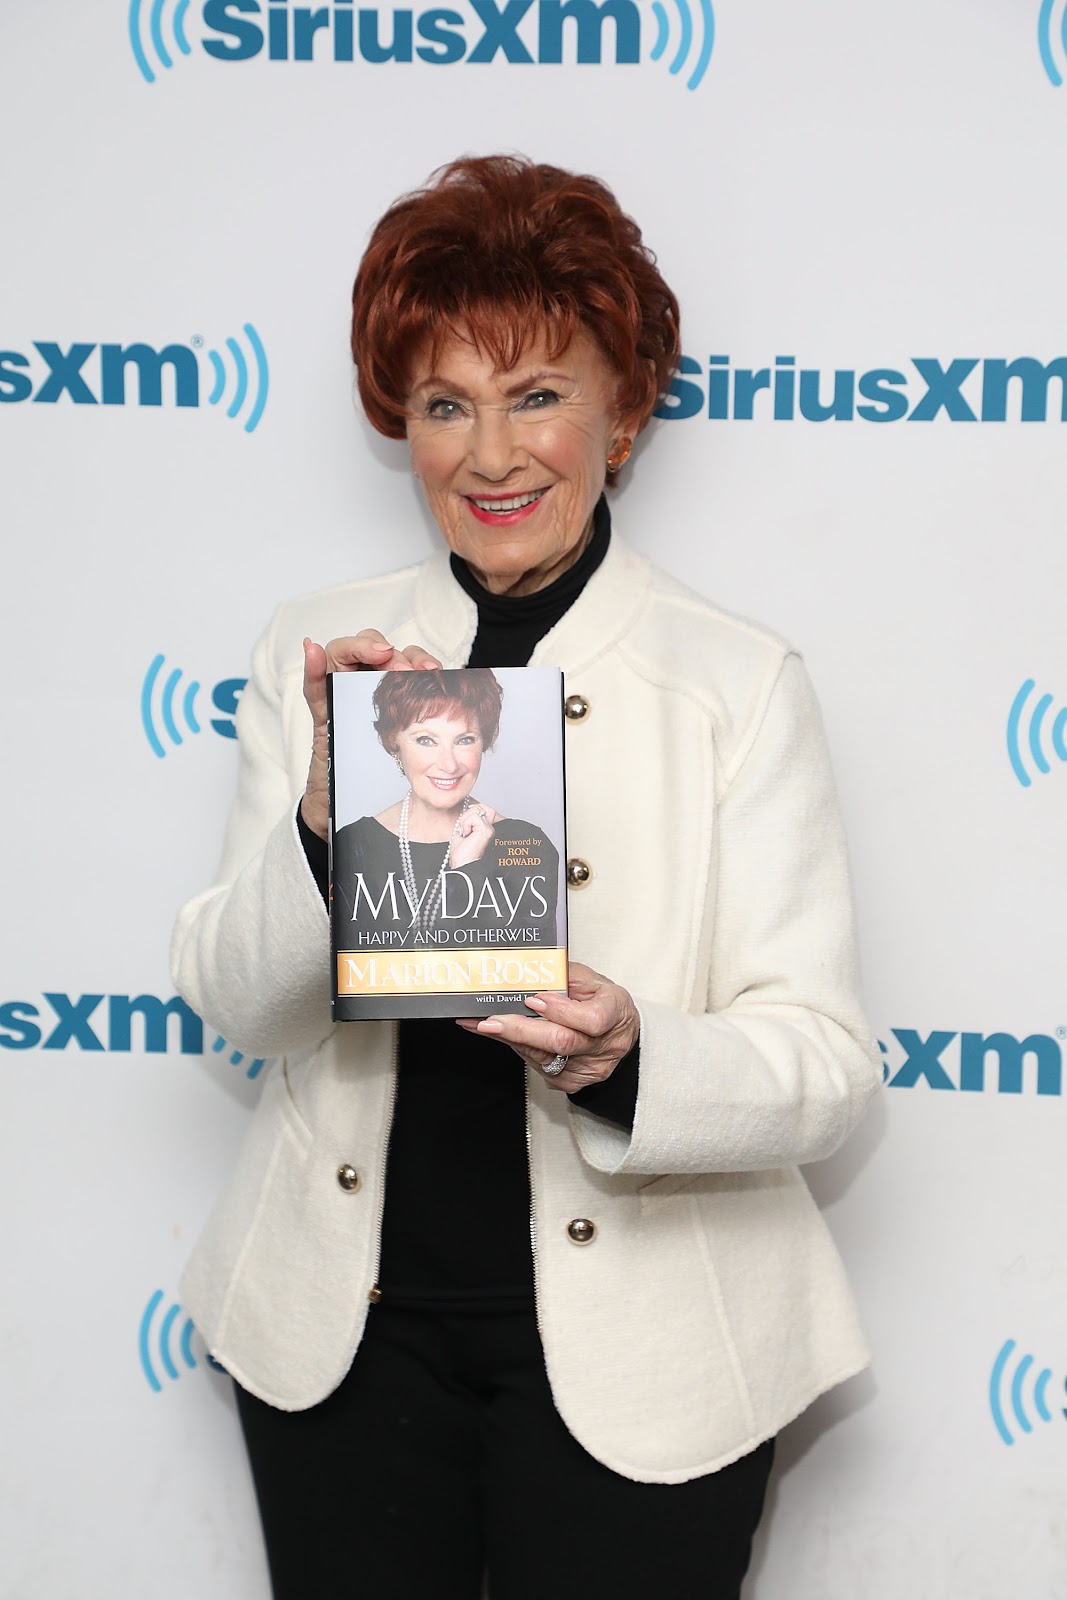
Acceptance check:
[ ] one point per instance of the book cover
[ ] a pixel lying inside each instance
(446, 841)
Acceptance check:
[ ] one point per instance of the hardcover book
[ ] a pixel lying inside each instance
(446, 841)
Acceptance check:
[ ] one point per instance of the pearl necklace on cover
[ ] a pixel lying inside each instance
(426, 914)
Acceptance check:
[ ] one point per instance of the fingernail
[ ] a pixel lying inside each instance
(536, 1003)
(489, 1026)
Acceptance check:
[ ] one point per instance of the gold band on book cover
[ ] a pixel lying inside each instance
(443, 971)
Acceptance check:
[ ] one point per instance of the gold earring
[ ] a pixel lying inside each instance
(619, 453)
(400, 764)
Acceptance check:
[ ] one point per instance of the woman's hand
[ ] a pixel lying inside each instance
(594, 1027)
(474, 833)
(368, 651)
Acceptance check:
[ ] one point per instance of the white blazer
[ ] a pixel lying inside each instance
(710, 1306)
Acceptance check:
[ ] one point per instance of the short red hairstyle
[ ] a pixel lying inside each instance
(503, 250)
(402, 698)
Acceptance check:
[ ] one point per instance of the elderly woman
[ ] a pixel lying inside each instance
(486, 1315)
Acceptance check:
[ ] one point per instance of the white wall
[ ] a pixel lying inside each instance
(858, 187)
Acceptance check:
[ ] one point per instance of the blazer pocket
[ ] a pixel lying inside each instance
(670, 1183)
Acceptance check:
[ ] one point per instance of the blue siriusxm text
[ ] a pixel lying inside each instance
(114, 1024)
(973, 1063)
(923, 389)
(101, 1022)
(237, 30)
(678, 33)
(108, 381)
(88, 374)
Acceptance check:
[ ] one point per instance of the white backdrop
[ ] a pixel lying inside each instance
(865, 189)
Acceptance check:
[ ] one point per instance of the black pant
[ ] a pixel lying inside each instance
(441, 1456)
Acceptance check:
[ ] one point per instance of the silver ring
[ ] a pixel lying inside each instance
(553, 1068)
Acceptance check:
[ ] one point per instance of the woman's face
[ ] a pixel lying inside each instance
(442, 757)
(512, 463)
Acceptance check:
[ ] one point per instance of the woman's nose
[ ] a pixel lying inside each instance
(492, 449)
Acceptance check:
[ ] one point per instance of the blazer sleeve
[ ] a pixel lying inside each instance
(251, 955)
(778, 1069)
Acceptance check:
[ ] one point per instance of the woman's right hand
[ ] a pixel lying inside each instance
(474, 832)
(368, 651)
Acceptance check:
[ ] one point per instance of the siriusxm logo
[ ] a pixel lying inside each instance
(72, 1020)
(967, 389)
(85, 1020)
(1012, 1398)
(981, 1061)
(1017, 754)
(160, 714)
(520, 32)
(1052, 38)
(136, 374)
(155, 1343)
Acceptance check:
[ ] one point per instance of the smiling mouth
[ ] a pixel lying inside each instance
(515, 502)
(445, 783)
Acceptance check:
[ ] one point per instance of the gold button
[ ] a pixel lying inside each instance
(578, 872)
(581, 1230)
(348, 1178)
(375, 1296)
(576, 708)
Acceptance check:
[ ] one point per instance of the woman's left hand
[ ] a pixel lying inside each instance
(594, 1027)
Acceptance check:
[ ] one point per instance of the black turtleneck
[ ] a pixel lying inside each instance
(456, 1222)
(511, 626)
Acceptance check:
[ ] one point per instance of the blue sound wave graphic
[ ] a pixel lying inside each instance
(154, 1343)
(1046, 30)
(1016, 1394)
(255, 1065)
(240, 373)
(1034, 734)
(161, 709)
(686, 32)
(156, 42)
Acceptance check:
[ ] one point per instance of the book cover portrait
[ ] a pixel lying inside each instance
(446, 841)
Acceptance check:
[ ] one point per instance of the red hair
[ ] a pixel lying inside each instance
(402, 698)
(502, 250)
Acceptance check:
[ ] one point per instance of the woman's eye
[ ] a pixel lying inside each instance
(444, 410)
(424, 739)
(539, 400)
